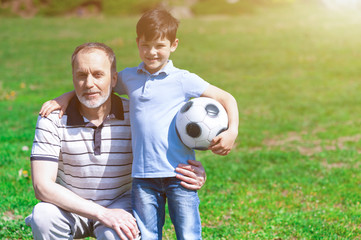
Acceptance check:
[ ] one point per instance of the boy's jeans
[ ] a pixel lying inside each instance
(149, 198)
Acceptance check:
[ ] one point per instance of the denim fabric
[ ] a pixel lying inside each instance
(149, 198)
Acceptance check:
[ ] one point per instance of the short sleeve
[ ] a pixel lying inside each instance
(193, 85)
(46, 145)
(120, 87)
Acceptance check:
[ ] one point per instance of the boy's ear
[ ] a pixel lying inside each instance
(174, 45)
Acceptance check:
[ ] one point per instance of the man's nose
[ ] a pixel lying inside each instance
(89, 81)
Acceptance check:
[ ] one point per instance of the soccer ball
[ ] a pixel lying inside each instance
(199, 121)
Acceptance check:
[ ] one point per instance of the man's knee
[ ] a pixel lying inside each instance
(44, 216)
(109, 234)
(50, 222)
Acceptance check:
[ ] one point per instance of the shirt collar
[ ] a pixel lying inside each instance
(166, 70)
(75, 118)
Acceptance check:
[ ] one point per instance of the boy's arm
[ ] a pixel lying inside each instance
(223, 143)
(120, 87)
(59, 103)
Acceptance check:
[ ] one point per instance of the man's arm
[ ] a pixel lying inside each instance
(46, 189)
(223, 143)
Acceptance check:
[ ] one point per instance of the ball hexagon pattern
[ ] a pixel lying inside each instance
(199, 121)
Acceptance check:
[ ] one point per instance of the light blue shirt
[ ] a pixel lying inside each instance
(154, 102)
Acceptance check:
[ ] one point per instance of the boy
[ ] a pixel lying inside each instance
(156, 91)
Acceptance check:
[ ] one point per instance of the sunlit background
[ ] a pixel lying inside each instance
(180, 8)
(293, 66)
(343, 4)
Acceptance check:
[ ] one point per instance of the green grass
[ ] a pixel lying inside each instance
(295, 72)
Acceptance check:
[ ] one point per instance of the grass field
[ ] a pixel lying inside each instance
(296, 74)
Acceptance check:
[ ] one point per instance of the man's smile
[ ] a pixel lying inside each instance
(91, 94)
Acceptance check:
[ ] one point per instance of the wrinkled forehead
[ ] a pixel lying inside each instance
(93, 58)
(90, 51)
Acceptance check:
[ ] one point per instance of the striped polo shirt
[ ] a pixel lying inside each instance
(93, 162)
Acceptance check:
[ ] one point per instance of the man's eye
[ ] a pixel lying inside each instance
(98, 75)
(81, 75)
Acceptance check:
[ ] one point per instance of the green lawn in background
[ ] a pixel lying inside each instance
(296, 74)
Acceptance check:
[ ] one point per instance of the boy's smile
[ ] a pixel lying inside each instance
(155, 53)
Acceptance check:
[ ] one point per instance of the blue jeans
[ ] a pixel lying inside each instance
(149, 197)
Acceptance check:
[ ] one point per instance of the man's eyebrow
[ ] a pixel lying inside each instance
(85, 71)
(79, 71)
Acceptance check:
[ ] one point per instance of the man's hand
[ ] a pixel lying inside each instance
(193, 176)
(123, 223)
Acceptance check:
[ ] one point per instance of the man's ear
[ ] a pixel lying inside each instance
(114, 79)
(174, 45)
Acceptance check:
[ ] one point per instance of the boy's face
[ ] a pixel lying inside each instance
(155, 53)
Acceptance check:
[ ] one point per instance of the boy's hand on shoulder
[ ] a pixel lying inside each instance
(223, 143)
(49, 107)
(59, 103)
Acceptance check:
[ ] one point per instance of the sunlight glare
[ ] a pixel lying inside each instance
(343, 4)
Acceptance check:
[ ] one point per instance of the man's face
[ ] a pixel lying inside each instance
(92, 78)
(155, 53)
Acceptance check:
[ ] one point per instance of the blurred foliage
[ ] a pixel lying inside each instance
(229, 7)
(54, 7)
(29, 8)
(6, 12)
(126, 7)
(106, 7)
(234, 7)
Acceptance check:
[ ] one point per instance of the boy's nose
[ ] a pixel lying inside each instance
(152, 50)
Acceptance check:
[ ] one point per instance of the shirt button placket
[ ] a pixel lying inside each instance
(147, 86)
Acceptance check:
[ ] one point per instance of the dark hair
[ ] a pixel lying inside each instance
(157, 23)
(88, 47)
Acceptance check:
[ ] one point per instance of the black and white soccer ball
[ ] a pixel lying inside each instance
(199, 121)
